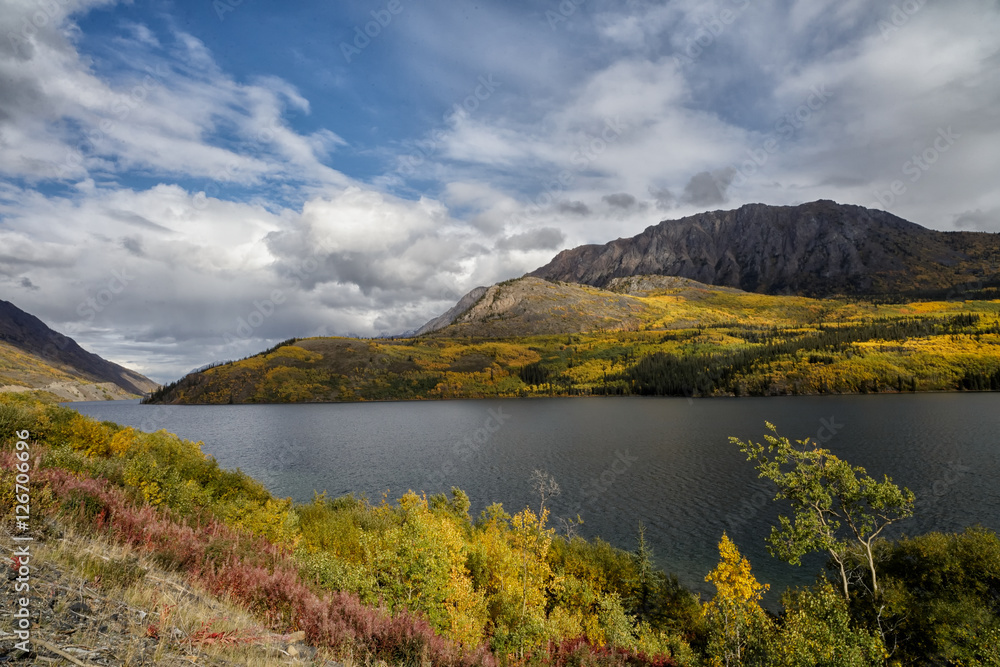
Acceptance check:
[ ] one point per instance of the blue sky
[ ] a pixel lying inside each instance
(184, 182)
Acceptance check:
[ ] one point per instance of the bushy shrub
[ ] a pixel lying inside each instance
(817, 630)
(942, 593)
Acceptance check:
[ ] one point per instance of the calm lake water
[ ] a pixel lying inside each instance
(619, 461)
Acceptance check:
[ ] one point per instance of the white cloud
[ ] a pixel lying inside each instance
(60, 119)
(887, 94)
(348, 263)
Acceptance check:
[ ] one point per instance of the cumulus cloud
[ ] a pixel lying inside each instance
(979, 220)
(663, 197)
(376, 242)
(133, 245)
(574, 207)
(61, 120)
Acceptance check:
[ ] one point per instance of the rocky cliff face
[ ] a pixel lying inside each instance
(816, 249)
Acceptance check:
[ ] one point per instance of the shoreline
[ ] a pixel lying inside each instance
(581, 396)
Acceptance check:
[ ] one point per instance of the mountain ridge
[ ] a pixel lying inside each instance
(69, 367)
(817, 249)
(450, 315)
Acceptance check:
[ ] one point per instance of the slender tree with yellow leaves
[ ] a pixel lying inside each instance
(738, 626)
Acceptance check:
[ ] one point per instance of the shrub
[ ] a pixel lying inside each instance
(817, 630)
(943, 597)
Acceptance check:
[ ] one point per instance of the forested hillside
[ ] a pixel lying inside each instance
(669, 337)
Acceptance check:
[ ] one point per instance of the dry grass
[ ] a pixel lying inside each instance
(139, 614)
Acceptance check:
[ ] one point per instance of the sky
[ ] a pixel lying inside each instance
(184, 182)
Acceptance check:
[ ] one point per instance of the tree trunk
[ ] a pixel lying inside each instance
(843, 574)
(871, 566)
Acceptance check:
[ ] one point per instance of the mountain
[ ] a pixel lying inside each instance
(531, 306)
(36, 357)
(724, 303)
(817, 249)
(441, 321)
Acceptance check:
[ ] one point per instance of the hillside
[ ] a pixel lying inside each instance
(531, 306)
(653, 335)
(816, 249)
(33, 356)
(143, 550)
(443, 320)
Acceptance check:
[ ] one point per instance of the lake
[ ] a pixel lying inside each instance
(664, 462)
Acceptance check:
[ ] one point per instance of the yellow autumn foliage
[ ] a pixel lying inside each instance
(735, 618)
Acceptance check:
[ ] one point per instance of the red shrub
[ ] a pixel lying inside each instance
(258, 574)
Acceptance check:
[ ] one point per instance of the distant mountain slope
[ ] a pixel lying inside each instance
(816, 249)
(531, 306)
(644, 335)
(441, 321)
(54, 358)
